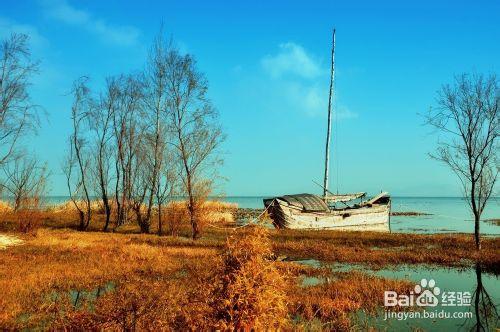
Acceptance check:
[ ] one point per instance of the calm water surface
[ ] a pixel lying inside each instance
(481, 286)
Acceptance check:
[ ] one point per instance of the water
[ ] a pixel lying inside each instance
(448, 214)
(77, 297)
(453, 317)
(450, 282)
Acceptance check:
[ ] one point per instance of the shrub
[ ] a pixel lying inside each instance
(250, 293)
(29, 221)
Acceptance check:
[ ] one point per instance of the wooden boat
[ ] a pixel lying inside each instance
(307, 211)
(331, 211)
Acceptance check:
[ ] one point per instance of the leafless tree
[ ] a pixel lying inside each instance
(156, 127)
(78, 162)
(18, 114)
(127, 130)
(167, 185)
(140, 182)
(468, 118)
(194, 124)
(156, 106)
(25, 180)
(101, 123)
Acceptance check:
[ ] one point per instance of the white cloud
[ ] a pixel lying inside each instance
(62, 11)
(307, 98)
(312, 99)
(342, 112)
(8, 26)
(300, 81)
(292, 59)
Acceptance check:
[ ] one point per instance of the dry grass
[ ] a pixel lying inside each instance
(210, 213)
(383, 249)
(331, 303)
(176, 283)
(56, 262)
(158, 283)
(69, 207)
(250, 292)
(5, 207)
(7, 241)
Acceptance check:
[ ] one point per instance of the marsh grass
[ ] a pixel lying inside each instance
(384, 249)
(227, 279)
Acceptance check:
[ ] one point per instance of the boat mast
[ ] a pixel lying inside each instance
(329, 126)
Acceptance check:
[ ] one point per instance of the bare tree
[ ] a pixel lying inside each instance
(167, 185)
(156, 106)
(18, 114)
(157, 127)
(140, 176)
(128, 134)
(78, 155)
(468, 117)
(101, 123)
(25, 180)
(194, 124)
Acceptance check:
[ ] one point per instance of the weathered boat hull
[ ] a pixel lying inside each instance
(372, 217)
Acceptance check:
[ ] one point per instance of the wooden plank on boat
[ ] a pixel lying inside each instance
(344, 197)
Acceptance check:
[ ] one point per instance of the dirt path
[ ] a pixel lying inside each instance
(7, 240)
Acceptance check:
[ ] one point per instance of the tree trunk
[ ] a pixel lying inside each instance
(160, 225)
(191, 208)
(82, 220)
(477, 237)
(193, 219)
(143, 224)
(144, 227)
(475, 211)
(195, 226)
(107, 210)
(89, 212)
(17, 204)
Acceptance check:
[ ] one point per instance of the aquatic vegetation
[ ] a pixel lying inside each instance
(409, 213)
(495, 222)
(230, 278)
(332, 302)
(381, 249)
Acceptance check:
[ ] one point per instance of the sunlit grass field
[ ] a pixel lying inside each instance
(231, 278)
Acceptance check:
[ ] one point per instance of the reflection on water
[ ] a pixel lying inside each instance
(79, 297)
(482, 287)
(486, 314)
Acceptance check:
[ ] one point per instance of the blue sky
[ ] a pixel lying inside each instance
(268, 67)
